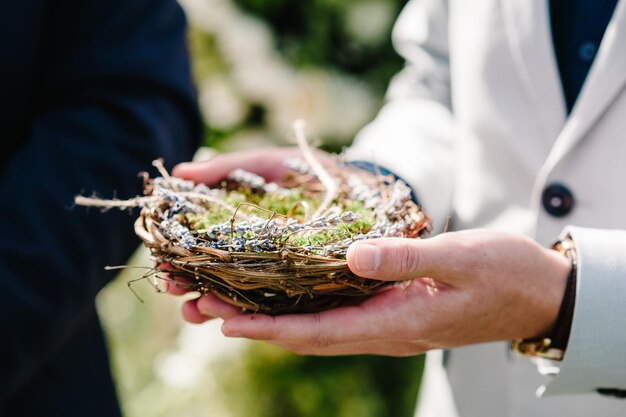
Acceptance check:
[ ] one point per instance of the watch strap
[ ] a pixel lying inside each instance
(553, 346)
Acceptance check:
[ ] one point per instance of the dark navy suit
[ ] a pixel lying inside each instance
(90, 92)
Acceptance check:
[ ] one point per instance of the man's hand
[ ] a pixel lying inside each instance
(454, 289)
(266, 162)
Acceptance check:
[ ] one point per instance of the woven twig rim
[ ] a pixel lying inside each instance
(302, 282)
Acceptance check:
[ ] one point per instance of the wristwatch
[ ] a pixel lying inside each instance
(553, 346)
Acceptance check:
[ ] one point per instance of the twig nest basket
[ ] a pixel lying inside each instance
(268, 247)
(260, 247)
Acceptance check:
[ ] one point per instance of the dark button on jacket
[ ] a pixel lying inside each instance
(557, 200)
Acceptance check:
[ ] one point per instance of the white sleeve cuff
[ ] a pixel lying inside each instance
(596, 352)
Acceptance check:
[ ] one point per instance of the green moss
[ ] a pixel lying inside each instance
(207, 219)
(318, 239)
(236, 197)
(283, 203)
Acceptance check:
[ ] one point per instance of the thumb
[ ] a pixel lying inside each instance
(395, 259)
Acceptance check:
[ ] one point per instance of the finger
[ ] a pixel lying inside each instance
(386, 348)
(319, 330)
(396, 259)
(211, 306)
(264, 162)
(169, 282)
(175, 285)
(191, 313)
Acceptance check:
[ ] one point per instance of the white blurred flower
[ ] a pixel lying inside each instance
(250, 139)
(209, 15)
(221, 107)
(198, 346)
(245, 38)
(178, 370)
(265, 80)
(367, 21)
(333, 104)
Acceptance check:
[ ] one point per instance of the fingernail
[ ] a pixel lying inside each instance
(202, 308)
(226, 331)
(183, 165)
(367, 257)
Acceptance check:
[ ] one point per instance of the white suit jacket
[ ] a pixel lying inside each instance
(476, 124)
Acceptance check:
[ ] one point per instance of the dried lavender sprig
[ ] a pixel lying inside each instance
(173, 228)
(180, 205)
(211, 192)
(254, 181)
(172, 183)
(348, 217)
(362, 192)
(400, 194)
(335, 250)
(298, 165)
(265, 234)
(207, 198)
(186, 190)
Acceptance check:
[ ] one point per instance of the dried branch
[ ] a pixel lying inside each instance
(332, 190)
(109, 204)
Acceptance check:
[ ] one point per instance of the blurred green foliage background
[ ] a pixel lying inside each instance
(259, 65)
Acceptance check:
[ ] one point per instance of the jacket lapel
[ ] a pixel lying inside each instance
(527, 25)
(528, 30)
